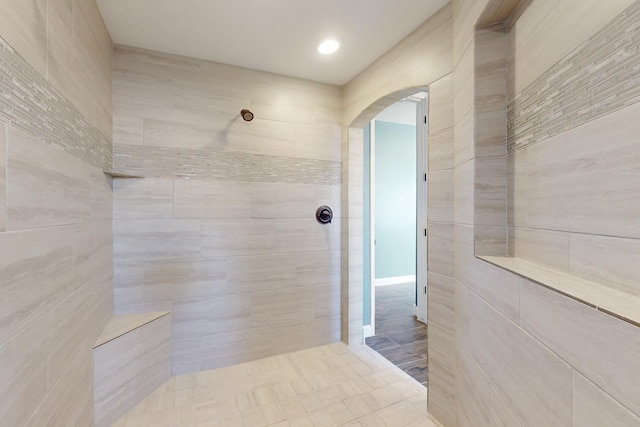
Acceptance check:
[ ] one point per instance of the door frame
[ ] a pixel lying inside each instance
(420, 308)
(422, 196)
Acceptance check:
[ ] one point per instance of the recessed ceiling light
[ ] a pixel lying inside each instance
(328, 46)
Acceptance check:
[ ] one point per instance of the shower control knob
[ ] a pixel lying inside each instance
(324, 214)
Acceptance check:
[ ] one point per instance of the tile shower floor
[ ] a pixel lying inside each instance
(333, 385)
(399, 336)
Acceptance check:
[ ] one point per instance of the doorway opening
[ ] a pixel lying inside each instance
(395, 238)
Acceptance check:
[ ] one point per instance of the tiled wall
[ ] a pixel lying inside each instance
(222, 230)
(55, 212)
(578, 215)
(526, 355)
(441, 233)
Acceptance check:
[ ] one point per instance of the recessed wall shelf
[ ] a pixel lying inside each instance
(121, 175)
(621, 305)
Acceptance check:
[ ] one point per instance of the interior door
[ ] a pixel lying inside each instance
(422, 186)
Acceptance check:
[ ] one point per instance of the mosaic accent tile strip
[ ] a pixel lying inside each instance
(151, 162)
(599, 77)
(32, 104)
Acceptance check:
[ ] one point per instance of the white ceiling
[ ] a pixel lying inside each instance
(279, 36)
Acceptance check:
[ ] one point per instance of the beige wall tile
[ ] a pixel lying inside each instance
(440, 204)
(539, 37)
(37, 274)
(231, 348)
(490, 191)
(209, 316)
(3, 178)
(441, 403)
(463, 138)
(501, 414)
(491, 70)
(441, 150)
(76, 71)
(464, 85)
(472, 392)
(74, 325)
(317, 268)
(442, 348)
(536, 383)
(163, 63)
(464, 182)
(236, 237)
(129, 368)
(592, 407)
(211, 199)
(24, 26)
(128, 283)
(441, 104)
(284, 306)
(499, 287)
(610, 261)
(490, 240)
(288, 105)
(441, 244)
(517, 188)
(548, 248)
(127, 122)
(293, 305)
(148, 240)
(64, 10)
(441, 309)
(264, 137)
(308, 334)
(142, 198)
(24, 374)
(465, 17)
(598, 345)
(300, 235)
(281, 200)
(101, 196)
(175, 280)
(143, 308)
(92, 252)
(490, 133)
(138, 84)
(182, 128)
(260, 272)
(566, 172)
(45, 186)
(199, 90)
(70, 400)
(186, 356)
(318, 141)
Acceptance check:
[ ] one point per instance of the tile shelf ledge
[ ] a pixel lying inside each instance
(115, 174)
(613, 302)
(122, 324)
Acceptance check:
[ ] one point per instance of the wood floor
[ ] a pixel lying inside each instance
(399, 337)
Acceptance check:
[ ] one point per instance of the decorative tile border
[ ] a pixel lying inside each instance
(32, 104)
(149, 162)
(599, 77)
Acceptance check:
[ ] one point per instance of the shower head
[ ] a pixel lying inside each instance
(246, 115)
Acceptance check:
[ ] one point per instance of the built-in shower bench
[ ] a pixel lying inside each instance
(132, 358)
(611, 301)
